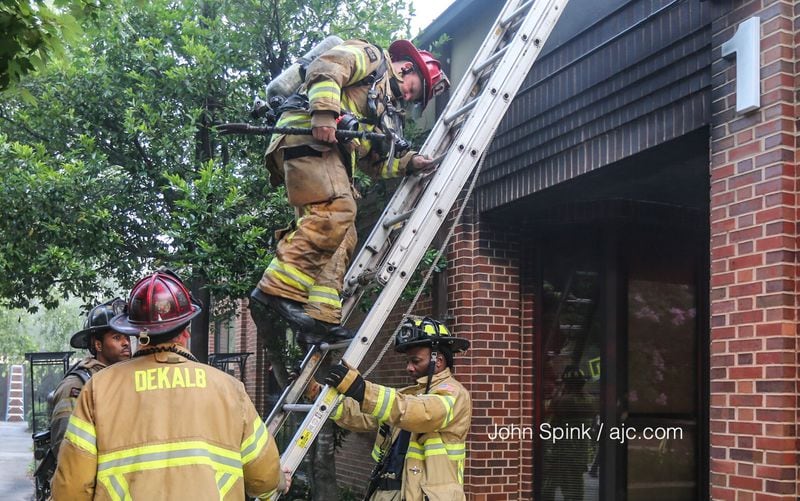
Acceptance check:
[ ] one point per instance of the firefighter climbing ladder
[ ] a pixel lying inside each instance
(420, 205)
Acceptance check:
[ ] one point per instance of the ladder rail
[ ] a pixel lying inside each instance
(435, 196)
(473, 138)
(406, 195)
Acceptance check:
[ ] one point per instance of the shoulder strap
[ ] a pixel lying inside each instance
(376, 75)
(82, 373)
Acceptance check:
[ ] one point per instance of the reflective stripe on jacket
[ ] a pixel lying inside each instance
(163, 427)
(330, 88)
(438, 421)
(65, 397)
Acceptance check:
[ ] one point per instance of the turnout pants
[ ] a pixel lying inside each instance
(310, 261)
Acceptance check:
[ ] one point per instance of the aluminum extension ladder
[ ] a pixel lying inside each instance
(420, 205)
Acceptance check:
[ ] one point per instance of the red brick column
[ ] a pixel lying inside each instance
(484, 287)
(754, 217)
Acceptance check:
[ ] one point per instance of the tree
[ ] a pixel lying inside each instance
(110, 164)
(33, 32)
(46, 330)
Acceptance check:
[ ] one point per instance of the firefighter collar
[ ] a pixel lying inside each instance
(437, 378)
(91, 363)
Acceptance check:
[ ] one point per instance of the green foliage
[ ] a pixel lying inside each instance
(109, 161)
(64, 222)
(34, 32)
(46, 330)
(437, 45)
(215, 227)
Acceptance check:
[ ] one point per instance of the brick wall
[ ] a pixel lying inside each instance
(754, 217)
(485, 304)
(246, 341)
(485, 301)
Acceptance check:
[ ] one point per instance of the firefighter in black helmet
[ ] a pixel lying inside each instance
(420, 447)
(106, 347)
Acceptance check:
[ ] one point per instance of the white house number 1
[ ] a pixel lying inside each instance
(745, 46)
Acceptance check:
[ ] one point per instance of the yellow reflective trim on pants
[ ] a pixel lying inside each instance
(289, 275)
(325, 295)
(384, 403)
(81, 434)
(254, 444)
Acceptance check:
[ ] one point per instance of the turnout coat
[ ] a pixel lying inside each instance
(438, 421)
(161, 426)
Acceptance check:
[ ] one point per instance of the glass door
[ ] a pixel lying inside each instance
(569, 372)
(662, 352)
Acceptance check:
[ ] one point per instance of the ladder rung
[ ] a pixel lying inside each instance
(362, 279)
(489, 61)
(517, 13)
(579, 300)
(335, 346)
(464, 109)
(397, 219)
(297, 407)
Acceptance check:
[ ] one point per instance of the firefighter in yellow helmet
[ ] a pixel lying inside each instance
(420, 446)
(354, 82)
(162, 425)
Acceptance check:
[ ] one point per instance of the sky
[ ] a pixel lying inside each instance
(426, 12)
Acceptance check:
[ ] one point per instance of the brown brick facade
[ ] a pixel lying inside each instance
(754, 218)
(486, 303)
(754, 408)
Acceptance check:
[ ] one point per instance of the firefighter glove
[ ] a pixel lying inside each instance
(346, 380)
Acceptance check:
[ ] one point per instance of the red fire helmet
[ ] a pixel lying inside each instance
(158, 304)
(434, 81)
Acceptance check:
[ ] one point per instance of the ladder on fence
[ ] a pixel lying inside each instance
(420, 205)
(15, 402)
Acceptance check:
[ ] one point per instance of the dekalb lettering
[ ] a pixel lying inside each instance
(167, 378)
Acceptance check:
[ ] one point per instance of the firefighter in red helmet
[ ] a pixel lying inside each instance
(162, 425)
(359, 80)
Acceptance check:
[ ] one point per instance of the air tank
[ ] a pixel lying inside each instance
(290, 79)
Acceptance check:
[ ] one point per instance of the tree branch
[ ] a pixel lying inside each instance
(23, 127)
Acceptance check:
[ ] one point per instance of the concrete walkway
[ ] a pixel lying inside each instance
(16, 456)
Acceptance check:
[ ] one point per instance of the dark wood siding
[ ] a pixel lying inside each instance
(635, 79)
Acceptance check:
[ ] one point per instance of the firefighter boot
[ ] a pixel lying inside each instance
(291, 311)
(323, 332)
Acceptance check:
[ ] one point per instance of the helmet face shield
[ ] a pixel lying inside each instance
(410, 333)
(427, 332)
